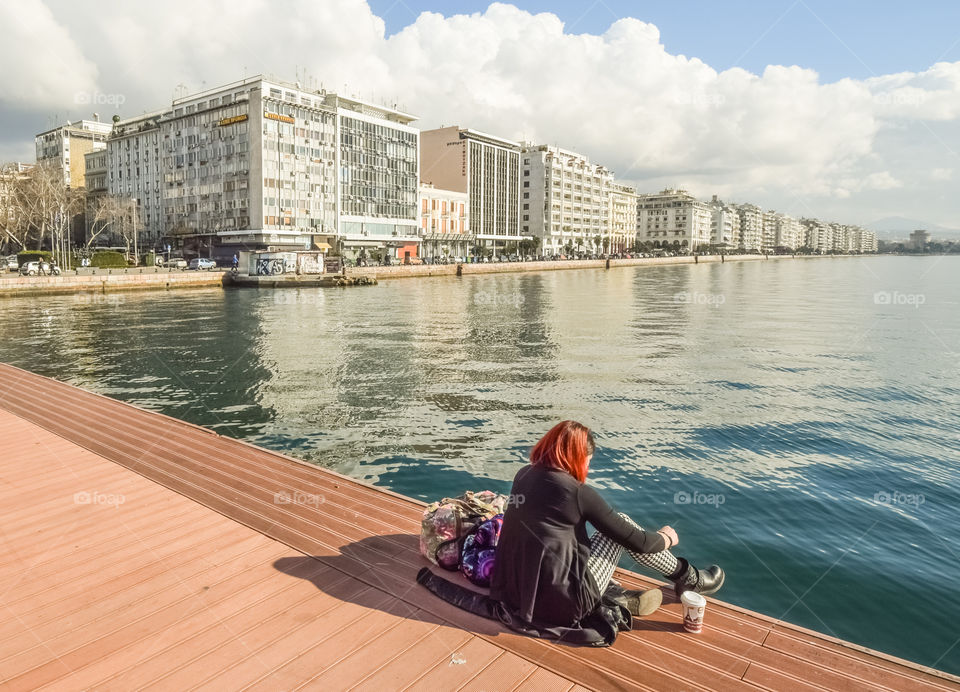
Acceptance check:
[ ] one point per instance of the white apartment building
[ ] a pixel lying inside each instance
(859, 239)
(771, 223)
(444, 222)
(724, 224)
(623, 217)
(65, 146)
(789, 232)
(840, 237)
(673, 218)
(818, 236)
(487, 169)
(565, 199)
(751, 227)
(836, 237)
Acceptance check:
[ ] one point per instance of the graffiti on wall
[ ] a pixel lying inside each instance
(309, 263)
(267, 266)
(272, 263)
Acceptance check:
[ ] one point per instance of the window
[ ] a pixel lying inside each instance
(526, 183)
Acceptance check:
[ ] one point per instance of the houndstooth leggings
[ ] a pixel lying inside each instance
(605, 554)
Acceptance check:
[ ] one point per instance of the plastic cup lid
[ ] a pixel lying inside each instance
(692, 598)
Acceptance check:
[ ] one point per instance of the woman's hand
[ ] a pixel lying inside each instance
(670, 535)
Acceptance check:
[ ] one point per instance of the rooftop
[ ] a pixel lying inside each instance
(80, 127)
(144, 552)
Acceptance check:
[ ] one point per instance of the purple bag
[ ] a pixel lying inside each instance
(480, 551)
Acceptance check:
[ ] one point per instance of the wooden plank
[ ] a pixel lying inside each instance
(110, 597)
(312, 630)
(218, 652)
(140, 663)
(873, 669)
(469, 662)
(406, 666)
(72, 650)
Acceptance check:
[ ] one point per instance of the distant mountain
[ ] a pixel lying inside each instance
(899, 228)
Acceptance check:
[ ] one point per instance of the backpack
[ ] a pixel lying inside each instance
(480, 551)
(446, 524)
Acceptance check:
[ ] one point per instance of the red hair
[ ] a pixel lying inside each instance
(565, 447)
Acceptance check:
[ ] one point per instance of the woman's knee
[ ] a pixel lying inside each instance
(629, 520)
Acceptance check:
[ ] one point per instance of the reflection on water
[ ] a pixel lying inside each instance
(779, 416)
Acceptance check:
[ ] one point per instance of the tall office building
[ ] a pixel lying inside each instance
(264, 164)
(487, 169)
(134, 170)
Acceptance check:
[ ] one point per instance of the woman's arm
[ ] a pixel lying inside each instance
(596, 510)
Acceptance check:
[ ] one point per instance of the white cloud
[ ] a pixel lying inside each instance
(42, 64)
(620, 97)
(941, 174)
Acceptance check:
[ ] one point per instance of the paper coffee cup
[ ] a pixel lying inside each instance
(693, 606)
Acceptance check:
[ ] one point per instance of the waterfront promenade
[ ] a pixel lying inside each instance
(140, 551)
(106, 281)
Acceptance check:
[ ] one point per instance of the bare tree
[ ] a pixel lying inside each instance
(14, 230)
(129, 222)
(48, 206)
(104, 214)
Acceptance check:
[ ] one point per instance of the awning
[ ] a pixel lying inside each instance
(321, 246)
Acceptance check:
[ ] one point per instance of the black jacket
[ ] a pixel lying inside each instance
(541, 574)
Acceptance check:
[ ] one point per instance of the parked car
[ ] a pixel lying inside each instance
(11, 263)
(175, 263)
(35, 268)
(199, 263)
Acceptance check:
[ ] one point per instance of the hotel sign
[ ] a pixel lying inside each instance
(281, 118)
(232, 121)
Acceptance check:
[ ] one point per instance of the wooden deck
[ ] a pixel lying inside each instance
(139, 551)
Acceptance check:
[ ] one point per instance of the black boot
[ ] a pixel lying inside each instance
(641, 603)
(689, 578)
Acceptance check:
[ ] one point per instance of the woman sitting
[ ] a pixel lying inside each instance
(549, 573)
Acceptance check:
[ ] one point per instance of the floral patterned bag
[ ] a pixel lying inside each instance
(480, 551)
(446, 524)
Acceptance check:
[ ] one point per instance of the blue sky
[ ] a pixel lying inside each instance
(838, 39)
